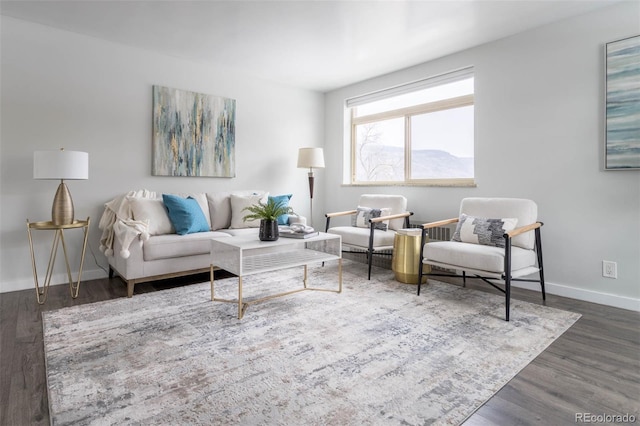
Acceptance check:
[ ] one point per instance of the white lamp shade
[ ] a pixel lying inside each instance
(311, 158)
(60, 164)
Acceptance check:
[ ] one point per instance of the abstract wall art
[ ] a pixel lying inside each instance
(193, 134)
(622, 124)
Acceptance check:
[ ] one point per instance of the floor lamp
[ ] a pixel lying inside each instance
(61, 164)
(311, 158)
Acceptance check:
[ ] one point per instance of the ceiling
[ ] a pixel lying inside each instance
(318, 45)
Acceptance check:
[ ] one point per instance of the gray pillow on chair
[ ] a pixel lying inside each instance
(361, 218)
(480, 230)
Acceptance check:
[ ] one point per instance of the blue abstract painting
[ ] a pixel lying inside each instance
(622, 144)
(193, 134)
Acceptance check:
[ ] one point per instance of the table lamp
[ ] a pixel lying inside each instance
(311, 158)
(61, 165)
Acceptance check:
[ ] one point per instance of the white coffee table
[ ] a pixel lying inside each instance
(247, 255)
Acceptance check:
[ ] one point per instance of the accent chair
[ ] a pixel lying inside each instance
(373, 224)
(496, 239)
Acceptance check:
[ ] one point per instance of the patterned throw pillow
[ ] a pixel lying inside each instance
(361, 218)
(480, 230)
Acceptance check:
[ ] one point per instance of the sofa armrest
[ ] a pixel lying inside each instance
(132, 266)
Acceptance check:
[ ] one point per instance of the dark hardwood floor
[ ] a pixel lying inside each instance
(593, 368)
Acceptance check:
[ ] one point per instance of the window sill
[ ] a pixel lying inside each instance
(442, 184)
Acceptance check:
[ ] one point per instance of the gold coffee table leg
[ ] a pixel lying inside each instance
(340, 275)
(212, 276)
(304, 280)
(240, 307)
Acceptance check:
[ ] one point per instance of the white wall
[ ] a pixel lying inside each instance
(61, 89)
(539, 135)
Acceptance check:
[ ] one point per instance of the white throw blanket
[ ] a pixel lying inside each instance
(117, 222)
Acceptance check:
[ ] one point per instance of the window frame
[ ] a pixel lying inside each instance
(407, 113)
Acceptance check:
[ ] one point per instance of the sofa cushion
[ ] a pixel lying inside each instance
(242, 232)
(239, 203)
(185, 214)
(154, 212)
(173, 245)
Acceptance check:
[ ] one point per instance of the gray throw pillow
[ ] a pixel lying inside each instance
(484, 231)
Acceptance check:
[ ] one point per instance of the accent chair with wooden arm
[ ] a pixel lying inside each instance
(373, 224)
(495, 239)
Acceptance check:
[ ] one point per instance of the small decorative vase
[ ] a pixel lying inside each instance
(268, 230)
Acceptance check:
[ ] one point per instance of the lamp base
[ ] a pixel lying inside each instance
(311, 180)
(62, 210)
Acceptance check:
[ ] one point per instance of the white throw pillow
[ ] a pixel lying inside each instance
(153, 211)
(239, 203)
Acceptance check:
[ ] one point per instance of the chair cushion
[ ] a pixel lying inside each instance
(480, 230)
(476, 256)
(359, 237)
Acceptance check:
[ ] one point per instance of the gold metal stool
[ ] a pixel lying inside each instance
(406, 256)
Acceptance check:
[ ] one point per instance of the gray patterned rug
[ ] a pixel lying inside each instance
(375, 354)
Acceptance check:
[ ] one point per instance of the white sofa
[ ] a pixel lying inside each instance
(150, 249)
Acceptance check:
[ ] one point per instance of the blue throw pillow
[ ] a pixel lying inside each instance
(185, 214)
(284, 200)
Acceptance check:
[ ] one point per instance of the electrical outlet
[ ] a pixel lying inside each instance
(609, 269)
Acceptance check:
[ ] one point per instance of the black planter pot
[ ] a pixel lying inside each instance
(268, 230)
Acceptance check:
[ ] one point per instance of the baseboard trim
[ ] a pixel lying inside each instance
(57, 279)
(600, 298)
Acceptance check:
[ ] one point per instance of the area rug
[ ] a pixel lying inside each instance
(375, 354)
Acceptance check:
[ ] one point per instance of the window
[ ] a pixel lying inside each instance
(420, 133)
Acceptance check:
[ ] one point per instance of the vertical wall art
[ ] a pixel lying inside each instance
(622, 134)
(193, 134)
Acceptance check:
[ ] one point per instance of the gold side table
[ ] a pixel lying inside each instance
(405, 262)
(41, 293)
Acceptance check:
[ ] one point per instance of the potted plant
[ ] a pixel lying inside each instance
(268, 214)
